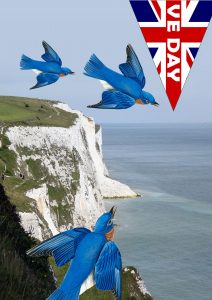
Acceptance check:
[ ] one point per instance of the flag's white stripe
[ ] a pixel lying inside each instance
(187, 13)
(185, 68)
(194, 24)
(152, 24)
(160, 57)
(153, 8)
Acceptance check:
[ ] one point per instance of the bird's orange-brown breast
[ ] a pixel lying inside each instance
(110, 235)
(62, 75)
(139, 101)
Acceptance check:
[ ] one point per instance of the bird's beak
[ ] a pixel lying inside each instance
(72, 73)
(156, 104)
(113, 211)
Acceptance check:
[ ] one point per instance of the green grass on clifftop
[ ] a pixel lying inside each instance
(33, 112)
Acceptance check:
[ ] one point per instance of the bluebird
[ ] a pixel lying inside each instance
(49, 70)
(90, 252)
(122, 91)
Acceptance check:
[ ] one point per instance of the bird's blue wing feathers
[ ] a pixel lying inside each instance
(44, 79)
(127, 70)
(50, 55)
(61, 246)
(113, 99)
(132, 68)
(108, 269)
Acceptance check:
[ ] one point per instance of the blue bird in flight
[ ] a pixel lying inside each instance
(90, 252)
(122, 90)
(49, 70)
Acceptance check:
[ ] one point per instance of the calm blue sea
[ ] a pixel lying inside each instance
(167, 233)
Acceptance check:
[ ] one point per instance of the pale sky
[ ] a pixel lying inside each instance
(76, 29)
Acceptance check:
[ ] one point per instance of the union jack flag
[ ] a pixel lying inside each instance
(173, 30)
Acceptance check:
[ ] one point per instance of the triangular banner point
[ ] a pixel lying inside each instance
(173, 31)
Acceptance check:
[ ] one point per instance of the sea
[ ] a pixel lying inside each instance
(167, 232)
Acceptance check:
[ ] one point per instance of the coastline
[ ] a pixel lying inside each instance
(123, 197)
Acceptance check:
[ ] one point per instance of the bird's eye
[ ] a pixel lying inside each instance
(110, 222)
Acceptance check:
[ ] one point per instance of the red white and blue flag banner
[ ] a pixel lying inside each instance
(173, 30)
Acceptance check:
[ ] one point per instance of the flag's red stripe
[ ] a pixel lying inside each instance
(159, 68)
(186, 34)
(187, 3)
(157, 7)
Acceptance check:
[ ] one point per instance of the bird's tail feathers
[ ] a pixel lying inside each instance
(60, 294)
(26, 63)
(95, 68)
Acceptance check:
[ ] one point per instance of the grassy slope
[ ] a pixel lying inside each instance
(32, 112)
(21, 277)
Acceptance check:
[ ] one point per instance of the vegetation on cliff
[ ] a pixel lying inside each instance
(33, 112)
(21, 277)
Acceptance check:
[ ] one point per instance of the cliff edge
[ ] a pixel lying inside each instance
(52, 166)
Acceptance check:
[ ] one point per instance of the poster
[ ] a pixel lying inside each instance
(105, 164)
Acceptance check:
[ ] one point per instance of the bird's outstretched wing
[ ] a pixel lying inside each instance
(61, 246)
(50, 55)
(108, 269)
(132, 68)
(112, 99)
(44, 79)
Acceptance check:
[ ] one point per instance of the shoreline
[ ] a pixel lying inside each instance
(123, 197)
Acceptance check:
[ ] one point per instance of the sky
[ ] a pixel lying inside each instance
(76, 29)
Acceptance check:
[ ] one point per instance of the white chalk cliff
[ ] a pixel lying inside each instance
(68, 177)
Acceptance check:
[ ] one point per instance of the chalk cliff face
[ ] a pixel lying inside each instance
(52, 169)
(64, 179)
